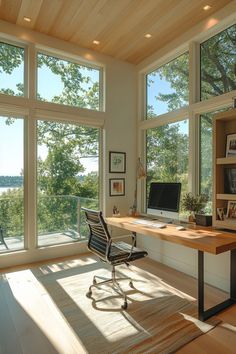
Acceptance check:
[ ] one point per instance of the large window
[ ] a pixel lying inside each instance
(167, 87)
(218, 63)
(67, 179)
(68, 83)
(167, 154)
(11, 184)
(66, 156)
(11, 70)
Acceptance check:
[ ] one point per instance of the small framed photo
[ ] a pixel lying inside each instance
(117, 186)
(231, 210)
(231, 145)
(220, 214)
(117, 162)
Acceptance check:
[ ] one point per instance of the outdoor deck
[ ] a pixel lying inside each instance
(17, 242)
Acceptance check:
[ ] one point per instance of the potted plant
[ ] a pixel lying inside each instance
(195, 205)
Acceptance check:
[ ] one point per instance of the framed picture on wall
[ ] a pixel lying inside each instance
(117, 186)
(117, 162)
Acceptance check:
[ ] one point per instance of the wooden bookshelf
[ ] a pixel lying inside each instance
(224, 124)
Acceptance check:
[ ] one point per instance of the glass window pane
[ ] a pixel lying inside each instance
(168, 87)
(167, 154)
(11, 184)
(206, 168)
(68, 83)
(11, 70)
(218, 62)
(67, 169)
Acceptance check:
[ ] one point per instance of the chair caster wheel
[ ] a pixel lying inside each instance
(89, 294)
(131, 284)
(124, 306)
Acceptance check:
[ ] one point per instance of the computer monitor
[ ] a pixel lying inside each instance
(164, 199)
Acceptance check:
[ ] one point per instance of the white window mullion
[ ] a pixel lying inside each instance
(194, 97)
(31, 183)
(32, 72)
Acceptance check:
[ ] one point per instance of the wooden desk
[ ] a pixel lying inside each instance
(203, 239)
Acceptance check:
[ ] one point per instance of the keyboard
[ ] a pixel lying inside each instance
(150, 223)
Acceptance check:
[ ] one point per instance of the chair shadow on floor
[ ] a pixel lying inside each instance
(151, 313)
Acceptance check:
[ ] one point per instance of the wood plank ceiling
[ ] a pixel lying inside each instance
(119, 25)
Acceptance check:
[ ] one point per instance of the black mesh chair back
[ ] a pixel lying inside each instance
(99, 237)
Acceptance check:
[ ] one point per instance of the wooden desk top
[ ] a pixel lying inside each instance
(201, 238)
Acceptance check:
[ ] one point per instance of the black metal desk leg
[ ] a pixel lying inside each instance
(205, 314)
(233, 275)
(201, 285)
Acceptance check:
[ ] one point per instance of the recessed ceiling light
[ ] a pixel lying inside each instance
(27, 19)
(96, 42)
(148, 35)
(207, 7)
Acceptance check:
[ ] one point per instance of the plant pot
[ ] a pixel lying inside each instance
(191, 217)
(203, 220)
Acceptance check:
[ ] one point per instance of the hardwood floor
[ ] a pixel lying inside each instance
(47, 331)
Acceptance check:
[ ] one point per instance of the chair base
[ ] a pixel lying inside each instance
(115, 286)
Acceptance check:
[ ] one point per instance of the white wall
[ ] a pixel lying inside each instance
(217, 272)
(118, 124)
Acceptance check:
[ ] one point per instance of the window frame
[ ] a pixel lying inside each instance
(171, 59)
(23, 46)
(61, 56)
(30, 109)
(193, 110)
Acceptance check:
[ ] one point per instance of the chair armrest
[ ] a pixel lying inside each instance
(132, 245)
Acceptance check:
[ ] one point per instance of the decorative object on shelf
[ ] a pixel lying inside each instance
(231, 210)
(203, 219)
(194, 204)
(115, 211)
(140, 174)
(117, 162)
(231, 145)
(230, 180)
(220, 214)
(117, 186)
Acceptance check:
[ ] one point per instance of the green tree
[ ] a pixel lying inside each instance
(59, 173)
(218, 71)
(79, 88)
(167, 155)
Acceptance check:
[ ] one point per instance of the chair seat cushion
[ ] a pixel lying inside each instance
(120, 251)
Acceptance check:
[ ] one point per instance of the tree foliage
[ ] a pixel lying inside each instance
(60, 173)
(79, 87)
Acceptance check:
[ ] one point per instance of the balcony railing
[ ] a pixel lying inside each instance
(59, 220)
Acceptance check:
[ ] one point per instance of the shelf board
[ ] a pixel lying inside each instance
(226, 160)
(226, 196)
(225, 224)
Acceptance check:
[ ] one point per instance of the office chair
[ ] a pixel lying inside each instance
(114, 253)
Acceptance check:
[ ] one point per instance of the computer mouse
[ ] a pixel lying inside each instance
(180, 228)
